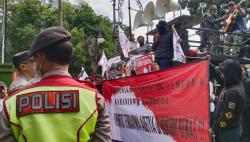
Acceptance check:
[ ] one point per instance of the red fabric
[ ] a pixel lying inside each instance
(192, 53)
(48, 102)
(185, 94)
(55, 80)
(144, 64)
(87, 83)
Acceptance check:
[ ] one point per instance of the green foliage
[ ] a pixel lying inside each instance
(27, 17)
(25, 20)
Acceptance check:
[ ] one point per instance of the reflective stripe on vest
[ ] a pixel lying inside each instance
(36, 116)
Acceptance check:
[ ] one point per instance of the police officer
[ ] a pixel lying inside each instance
(57, 108)
(227, 125)
(26, 68)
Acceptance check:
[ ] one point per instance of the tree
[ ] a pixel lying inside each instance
(28, 17)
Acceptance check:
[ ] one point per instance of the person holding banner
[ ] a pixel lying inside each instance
(227, 125)
(163, 47)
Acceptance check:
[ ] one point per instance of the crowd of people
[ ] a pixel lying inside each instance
(45, 88)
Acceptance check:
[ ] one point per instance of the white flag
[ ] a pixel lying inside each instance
(54, 4)
(124, 42)
(178, 52)
(104, 63)
(83, 74)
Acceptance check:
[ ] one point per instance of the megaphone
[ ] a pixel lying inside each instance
(138, 21)
(164, 6)
(149, 13)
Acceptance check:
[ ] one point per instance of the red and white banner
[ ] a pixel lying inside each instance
(144, 64)
(165, 106)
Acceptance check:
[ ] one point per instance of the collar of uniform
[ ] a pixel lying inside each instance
(56, 72)
(18, 83)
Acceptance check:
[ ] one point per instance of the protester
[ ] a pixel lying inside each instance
(3, 93)
(82, 75)
(99, 83)
(163, 48)
(26, 68)
(214, 23)
(57, 108)
(143, 47)
(237, 25)
(246, 112)
(227, 125)
(212, 98)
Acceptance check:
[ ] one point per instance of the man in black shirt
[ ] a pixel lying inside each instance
(163, 48)
(228, 113)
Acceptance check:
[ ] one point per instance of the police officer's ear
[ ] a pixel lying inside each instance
(22, 67)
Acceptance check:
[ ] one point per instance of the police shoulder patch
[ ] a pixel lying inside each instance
(47, 102)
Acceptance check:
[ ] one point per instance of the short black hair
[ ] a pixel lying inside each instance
(140, 37)
(98, 76)
(61, 53)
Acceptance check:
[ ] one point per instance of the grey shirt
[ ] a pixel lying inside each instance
(21, 82)
(102, 131)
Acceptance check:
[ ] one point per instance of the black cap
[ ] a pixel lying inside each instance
(20, 57)
(48, 38)
(162, 24)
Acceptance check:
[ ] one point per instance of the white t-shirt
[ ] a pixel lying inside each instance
(211, 90)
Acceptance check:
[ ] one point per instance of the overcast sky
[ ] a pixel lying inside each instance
(104, 7)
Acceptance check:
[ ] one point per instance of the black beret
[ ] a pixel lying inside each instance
(20, 57)
(48, 38)
(162, 24)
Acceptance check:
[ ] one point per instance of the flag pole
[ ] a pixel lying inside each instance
(4, 29)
